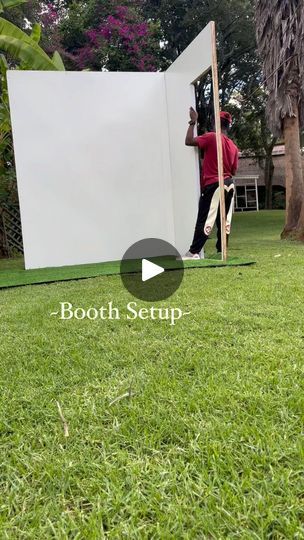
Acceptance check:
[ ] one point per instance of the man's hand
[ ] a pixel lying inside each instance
(190, 133)
(193, 115)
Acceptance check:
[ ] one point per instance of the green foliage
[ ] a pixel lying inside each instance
(57, 61)
(22, 47)
(6, 4)
(7, 180)
(7, 171)
(239, 65)
(23, 52)
(280, 36)
(250, 129)
(26, 53)
(240, 75)
(181, 21)
(110, 36)
(36, 32)
(4, 109)
(73, 26)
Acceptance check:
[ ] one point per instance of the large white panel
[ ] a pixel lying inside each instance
(188, 67)
(93, 168)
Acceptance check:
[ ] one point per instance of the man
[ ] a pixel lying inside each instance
(209, 210)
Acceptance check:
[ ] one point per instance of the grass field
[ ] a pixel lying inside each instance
(209, 446)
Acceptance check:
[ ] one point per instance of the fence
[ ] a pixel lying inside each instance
(10, 230)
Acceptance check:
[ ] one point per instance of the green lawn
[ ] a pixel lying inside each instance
(209, 446)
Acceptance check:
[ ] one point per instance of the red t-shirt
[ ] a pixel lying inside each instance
(207, 143)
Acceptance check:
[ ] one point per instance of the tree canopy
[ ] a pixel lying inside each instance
(147, 35)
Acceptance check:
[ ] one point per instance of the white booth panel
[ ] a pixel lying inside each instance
(101, 160)
(188, 67)
(93, 166)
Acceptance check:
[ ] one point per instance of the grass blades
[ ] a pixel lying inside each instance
(207, 440)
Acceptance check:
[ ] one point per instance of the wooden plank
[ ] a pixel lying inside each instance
(218, 130)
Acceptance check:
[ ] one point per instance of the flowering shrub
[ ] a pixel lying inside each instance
(121, 41)
(49, 16)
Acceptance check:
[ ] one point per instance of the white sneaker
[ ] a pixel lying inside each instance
(191, 256)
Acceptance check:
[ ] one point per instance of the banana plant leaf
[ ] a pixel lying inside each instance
(6, 4)
(7, 29)
(27, 53)
(57, 61)
(36, 32)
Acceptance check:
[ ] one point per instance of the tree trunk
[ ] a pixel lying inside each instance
(299, 235)
(268, 174)
(269, 168)
(293, 173)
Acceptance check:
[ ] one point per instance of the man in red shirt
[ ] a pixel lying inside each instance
(209, 210)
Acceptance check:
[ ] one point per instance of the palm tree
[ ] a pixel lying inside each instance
(280, 38)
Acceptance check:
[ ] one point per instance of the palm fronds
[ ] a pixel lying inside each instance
(280, 38)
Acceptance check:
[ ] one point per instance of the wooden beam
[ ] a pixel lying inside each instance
(216, 98)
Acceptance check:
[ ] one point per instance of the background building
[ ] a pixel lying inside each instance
(251, 172)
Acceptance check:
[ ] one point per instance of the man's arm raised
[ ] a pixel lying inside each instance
(190, 132)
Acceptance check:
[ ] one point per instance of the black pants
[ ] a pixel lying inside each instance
(209, 213)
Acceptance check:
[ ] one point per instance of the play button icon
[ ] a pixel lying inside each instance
(150, 270)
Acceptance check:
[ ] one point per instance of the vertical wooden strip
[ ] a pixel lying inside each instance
(216, 98)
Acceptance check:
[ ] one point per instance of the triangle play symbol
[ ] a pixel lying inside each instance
(149, 270)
